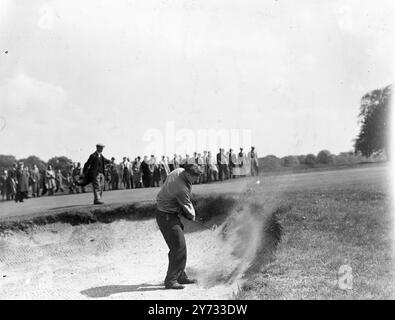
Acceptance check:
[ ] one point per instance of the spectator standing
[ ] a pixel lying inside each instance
(164, 169)
(3, 179)
(174, 163)
(69, 180)
(114, 174)
(34, 180)
(146, 173)
(212, 167)
(201, 164)
(77, 174)
(204, 167)
(239, 169)
(14, 168)
(22, 179)
(154, 168)
(222, 162)
(131, 174)
(253, 156)
(107, 177)
(43, 180)
(50, 182)
(11, 185)
(232, 163)
(137, 176)
(59, 180)
(125, 173)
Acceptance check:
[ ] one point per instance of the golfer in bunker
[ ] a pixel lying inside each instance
(173, 200)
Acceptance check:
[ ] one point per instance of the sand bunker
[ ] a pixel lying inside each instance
(128, 259)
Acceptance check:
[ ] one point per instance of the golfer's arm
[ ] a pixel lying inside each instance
(184, 201)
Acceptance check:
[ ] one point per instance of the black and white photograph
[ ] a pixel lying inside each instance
(195, 150)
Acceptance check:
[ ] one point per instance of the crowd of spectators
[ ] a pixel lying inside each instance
(21, 182)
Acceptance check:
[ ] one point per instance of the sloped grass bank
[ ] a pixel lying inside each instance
(323, 231)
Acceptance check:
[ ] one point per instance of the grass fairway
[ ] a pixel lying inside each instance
(324, 228)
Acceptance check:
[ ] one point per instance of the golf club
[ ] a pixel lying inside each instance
(207, 227)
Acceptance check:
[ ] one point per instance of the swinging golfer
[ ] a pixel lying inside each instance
(172, 201)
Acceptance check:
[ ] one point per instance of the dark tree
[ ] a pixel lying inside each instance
(269, 162)
(374, 119)
(301, 158)
(34, 160)
(63, 163)
(6, 161)
(324, 157)
(310, 159)
(290, 161)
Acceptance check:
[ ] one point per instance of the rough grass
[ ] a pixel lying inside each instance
(322, 231)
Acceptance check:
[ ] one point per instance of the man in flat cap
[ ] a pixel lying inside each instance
(93, 172)
(173, 200)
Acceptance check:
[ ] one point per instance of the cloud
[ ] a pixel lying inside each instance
(31, 99)
(5, 9)
(38, 117)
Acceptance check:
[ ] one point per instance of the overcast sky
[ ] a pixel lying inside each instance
(74, 73)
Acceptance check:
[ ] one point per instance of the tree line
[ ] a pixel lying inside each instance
(63, 163)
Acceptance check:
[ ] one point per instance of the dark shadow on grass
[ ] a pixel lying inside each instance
(106, 291)
(67, 207)
(212, 208)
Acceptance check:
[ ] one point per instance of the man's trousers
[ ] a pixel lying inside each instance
(223, 171)
(97, 186)
(36, 189)
(172, 230)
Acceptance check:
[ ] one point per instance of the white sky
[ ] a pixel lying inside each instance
(88, 71)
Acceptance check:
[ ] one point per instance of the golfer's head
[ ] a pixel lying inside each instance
(193, 172)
